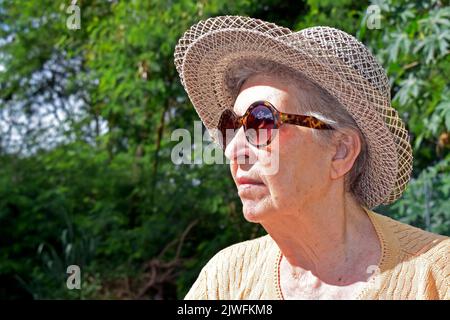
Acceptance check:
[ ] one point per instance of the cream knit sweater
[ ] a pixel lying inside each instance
(414, 264)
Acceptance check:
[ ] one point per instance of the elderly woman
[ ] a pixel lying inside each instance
(318, 101)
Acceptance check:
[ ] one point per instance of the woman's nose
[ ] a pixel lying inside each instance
(239, 150)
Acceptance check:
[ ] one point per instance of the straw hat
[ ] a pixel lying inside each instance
(333, 59)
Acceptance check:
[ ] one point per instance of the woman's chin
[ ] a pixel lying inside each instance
(254, 212)
(256, 202)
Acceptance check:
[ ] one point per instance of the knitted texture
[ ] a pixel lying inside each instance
(333, 59)
(414, 265)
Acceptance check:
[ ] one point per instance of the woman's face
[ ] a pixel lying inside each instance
(303, 174)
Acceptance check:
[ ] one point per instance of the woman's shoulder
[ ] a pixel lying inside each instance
(247, 251)
(415, 242)
(232, 269)
(419, 257)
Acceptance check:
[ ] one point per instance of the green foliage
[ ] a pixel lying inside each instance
(95, 187)
(425, 204)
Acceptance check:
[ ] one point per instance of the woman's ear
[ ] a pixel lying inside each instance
(347, 147)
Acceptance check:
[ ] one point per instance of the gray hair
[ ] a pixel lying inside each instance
(313, 100)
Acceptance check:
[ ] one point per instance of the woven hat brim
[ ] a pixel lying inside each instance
(208, 58)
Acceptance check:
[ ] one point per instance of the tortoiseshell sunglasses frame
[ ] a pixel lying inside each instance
(280, 118)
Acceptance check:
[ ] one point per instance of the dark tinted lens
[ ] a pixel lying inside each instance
(227, 127)
(259, 125)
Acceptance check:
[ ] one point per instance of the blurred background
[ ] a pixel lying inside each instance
(89, 96)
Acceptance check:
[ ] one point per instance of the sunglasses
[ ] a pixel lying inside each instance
(260, 121)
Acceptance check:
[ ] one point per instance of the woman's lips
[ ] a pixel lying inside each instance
(246, 182)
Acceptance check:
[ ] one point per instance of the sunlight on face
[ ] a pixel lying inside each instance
(303, 173)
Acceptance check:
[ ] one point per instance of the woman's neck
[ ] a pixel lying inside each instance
(328, 239)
